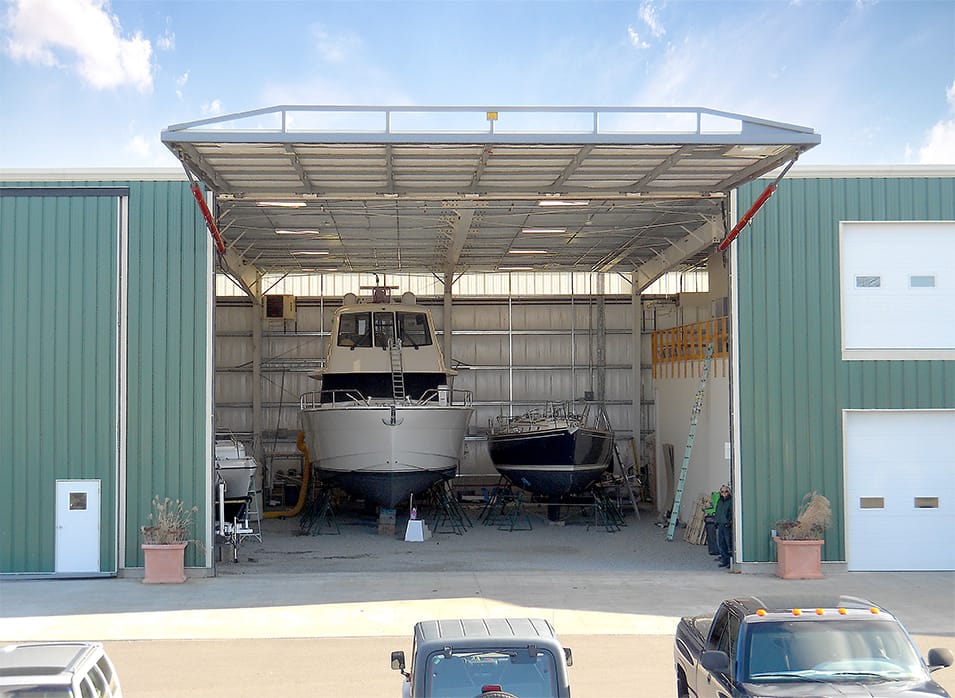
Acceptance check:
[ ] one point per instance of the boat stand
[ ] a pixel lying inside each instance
(504, 509)
(606, 513)
(448, 513)
(318, 514)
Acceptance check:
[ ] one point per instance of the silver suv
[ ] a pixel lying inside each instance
(57, 670)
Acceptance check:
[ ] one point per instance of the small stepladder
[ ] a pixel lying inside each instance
(694, 418)
(627, 477)
(397, 371)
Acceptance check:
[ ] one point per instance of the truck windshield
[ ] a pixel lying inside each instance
(465, 674)
(840, 649)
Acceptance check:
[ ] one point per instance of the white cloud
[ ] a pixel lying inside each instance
(648, 13)
(635, 39)
(648, 16)
(335, 49)
(139, 146)
(81, 35)
(939, 148)
(181, 83)
(213, 108)
(166, 42)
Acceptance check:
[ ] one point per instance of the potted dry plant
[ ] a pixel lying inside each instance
(165, 538)
(799, 542)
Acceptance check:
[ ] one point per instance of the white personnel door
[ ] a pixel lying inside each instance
(77, 525)
(900, 486)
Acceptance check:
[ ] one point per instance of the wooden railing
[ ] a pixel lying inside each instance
(678, 352)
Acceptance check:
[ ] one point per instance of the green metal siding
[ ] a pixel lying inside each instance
(58, 300)
(166, 416)
(167, 343)
(793, 384)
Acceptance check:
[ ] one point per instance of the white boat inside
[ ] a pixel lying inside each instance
(386, 423)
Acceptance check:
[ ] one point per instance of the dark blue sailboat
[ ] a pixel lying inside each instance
(555, 451)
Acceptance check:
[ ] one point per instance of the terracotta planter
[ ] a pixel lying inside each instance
(165, 563)
(798, 559)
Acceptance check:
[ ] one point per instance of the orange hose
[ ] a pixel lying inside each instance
(303, 491)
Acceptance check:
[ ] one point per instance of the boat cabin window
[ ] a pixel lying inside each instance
(413, 329)
(384, 329)
(354, 330)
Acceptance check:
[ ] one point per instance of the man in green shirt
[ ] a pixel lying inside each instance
(724, 525)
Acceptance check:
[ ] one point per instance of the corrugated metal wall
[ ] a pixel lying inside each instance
(60, 277)
(169, 288)
(793, 384)
(58, 301)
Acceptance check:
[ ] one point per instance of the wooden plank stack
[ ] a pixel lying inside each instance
(696, 531)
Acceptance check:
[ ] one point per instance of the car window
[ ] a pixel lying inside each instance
(108, 673)
(717, 631)
(731, 638)
(86, 688)
(100, 684)
(465, 674)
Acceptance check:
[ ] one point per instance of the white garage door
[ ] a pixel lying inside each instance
(900, 486)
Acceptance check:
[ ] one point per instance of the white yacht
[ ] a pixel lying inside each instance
(386, 423)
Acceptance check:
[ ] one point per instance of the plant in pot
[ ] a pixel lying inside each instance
(165, 538)
(799, 542)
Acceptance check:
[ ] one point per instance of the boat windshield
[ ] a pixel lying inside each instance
(354, 330)
(413, 329)
(843, 649)
(466, 673)
(364, 329)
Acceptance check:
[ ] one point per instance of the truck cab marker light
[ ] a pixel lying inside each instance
(797, 611)
(842, 611)
(874, 611)
(819, 611)
(761, 612)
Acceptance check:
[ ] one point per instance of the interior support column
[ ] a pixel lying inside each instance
(636, 353)
(256, 320)
(447, 324)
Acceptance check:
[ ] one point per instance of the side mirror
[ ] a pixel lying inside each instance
(715, 661)
(569, 656)
(939, 658)
(398, 660)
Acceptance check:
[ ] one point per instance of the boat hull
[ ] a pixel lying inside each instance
(552, 462)
(384, 453)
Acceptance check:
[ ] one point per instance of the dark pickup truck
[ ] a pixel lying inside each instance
(774, 647)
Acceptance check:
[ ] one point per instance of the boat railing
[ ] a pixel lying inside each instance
(554, 414)
(315, 399)
(446, 396)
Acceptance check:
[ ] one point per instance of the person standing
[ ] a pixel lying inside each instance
(724, 525)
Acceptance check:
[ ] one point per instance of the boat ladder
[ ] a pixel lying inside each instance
(694, 418)
(397, 373)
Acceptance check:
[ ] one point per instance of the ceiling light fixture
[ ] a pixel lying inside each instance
(563, 202)
(314, 270)
(296, 232)
(528, 251)
(544, 231)
(309, 253)
(282, 204)
(515, 268)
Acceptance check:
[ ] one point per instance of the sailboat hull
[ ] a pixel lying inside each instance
(552, 462)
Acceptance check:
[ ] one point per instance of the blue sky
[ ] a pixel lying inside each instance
(91, 83)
